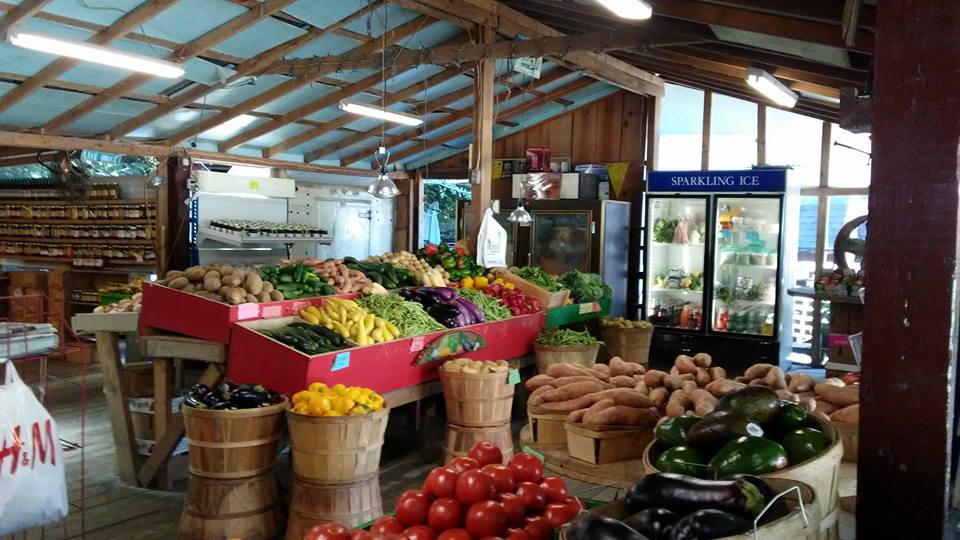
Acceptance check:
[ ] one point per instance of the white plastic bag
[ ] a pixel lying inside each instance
(491, 242)
(33, 489)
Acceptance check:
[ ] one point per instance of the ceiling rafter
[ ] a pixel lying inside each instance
(127, 23)
(565, 90)
(512, 24)
(401, 32)
(344, 118)
(735, 91)
(300, 112)
(23, 11)
(466, 112)
(252, 66)
(189, 50)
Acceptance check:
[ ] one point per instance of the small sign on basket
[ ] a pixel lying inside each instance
(416, 344)
(341, 361)
(513, 377)
(248, 310)
(589, 307)
(533, 452)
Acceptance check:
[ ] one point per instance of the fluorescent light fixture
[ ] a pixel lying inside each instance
(244, 186)
(769, 86)
(230, 127)
(628, 9)
(377, 112)
(97, 54)
(237, 195)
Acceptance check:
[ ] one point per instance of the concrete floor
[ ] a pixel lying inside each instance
(105, 509)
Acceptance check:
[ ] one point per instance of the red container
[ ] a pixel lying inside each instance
(256, 358)
(194, 316)
(538, 159)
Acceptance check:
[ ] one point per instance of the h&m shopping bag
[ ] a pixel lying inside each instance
(33, 489)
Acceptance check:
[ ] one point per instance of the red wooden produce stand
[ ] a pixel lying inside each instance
(384, 367)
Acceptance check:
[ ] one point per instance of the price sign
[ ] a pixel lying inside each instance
(248, 311)
(341, 361)
(416, 344)
(513, 377)
(270, 312)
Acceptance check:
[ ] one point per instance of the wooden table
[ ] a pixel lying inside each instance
(847, 316)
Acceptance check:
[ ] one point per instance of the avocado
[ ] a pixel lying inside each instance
(755, 403)
(682, 460)
(718, 428)
(804, 443)
(673, 432)
(748, 455)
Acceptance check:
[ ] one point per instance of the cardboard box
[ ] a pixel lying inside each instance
(28, 280)
(138, 380)
(142, 425)
(145, 404)
(256, 358)
(601, 447)
(194, 316)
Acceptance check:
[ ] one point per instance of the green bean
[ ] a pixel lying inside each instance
(409, 317)
(492, 309)
(566, 338)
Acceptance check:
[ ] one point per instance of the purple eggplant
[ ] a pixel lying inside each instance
(444, 294)
(448, 315)
(475, 312)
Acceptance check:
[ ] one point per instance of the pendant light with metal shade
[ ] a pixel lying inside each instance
(383, 187)
(520, 216)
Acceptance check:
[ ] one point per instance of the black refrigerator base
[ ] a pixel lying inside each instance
(731, 353)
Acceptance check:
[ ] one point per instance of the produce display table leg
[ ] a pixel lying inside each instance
(108, 352)
(162, 393)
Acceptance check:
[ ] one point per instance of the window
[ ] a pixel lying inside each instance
(849, 158)
(841, 209)
(681, 127)
(795, 140)
(733, 133)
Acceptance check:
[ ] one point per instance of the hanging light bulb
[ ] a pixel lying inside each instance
(520, 215)
(383, 187)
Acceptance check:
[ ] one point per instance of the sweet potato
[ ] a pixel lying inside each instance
(702, 359)
(722, 387)
(761, 382)
(537, 381)
(703, 401)
(702, 377)
(569, 370)
(687, 377)
(619, 367)
(178, 282)
(678, 403)
(787, 395)
(659, 396)
(757, 371)
(632, 398)
(672, 382)
(826, 407)
(621, 415)
(642, 388)
(684, 364)
(717, 373)
(654, 378)
(808, 403)
(536, 396)
(688, 386)
(742, 379)
(850, 413)
(602, 369)
(598, 406)
(576, 416)
(775, 379)
(800, 382)
(573, 391)
(674, 370)
(563, 381)
(839, 396)
(623, 381)
(832, 381)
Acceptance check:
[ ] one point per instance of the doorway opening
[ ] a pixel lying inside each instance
(442, 204)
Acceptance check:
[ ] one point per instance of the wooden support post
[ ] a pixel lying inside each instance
(483, 135)
(816, 350)
(162, 397)
(108, 352)
(761, 134)
(654, 108)
(705, 141)
(910, 336)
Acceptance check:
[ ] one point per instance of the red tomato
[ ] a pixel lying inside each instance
(387, 524)
(513, 506)
(368, 535)
(526, 468)
(328, 531)
(555, 488)
(463, 464)
(486, 518)
(419, 532)
(517, 534)
(455, 534)
(486, 453)
(412, 507)
(502, 477)
(441, 482)
(532, 497)
(538, 528)
(575, 504)
(445, 513)
(474, 486)
(557, 514)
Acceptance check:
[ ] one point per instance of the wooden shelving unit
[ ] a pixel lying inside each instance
(91, 241)
(91, 221)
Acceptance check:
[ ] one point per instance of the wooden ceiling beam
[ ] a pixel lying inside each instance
(512, 24)
(347, 118)
(219, 157)
(53, 142)
(567, 89)
(401, 32)
(793, 68)
(825, 11)
(23, 11)
(186, 52)
(467, 112)
(127, 23)
(252, 66)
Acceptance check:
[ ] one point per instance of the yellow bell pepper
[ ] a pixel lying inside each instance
(498, 281)
(317, 387)
(466, 283)
(480, 282)
(339, 389)
(508, 286)
(301, 397)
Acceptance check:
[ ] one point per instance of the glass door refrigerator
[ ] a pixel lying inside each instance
(712, 272)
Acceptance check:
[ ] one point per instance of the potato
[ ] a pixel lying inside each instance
(189, 288)
(178, 283)
(263, 297)
(572, 391)
(620, 415)
(536, 396)
(174, 274)
(619, 367)
(678, 403)
(234, 297)
(276, 295)
(623, 381)
(195, 273)
(253, 283)
(642, 388)
(233, 280)
(808, 403)
(211, 273)
(250, 298)
(702, 360)
(211, 283)
(226, 270)
(267, 287)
